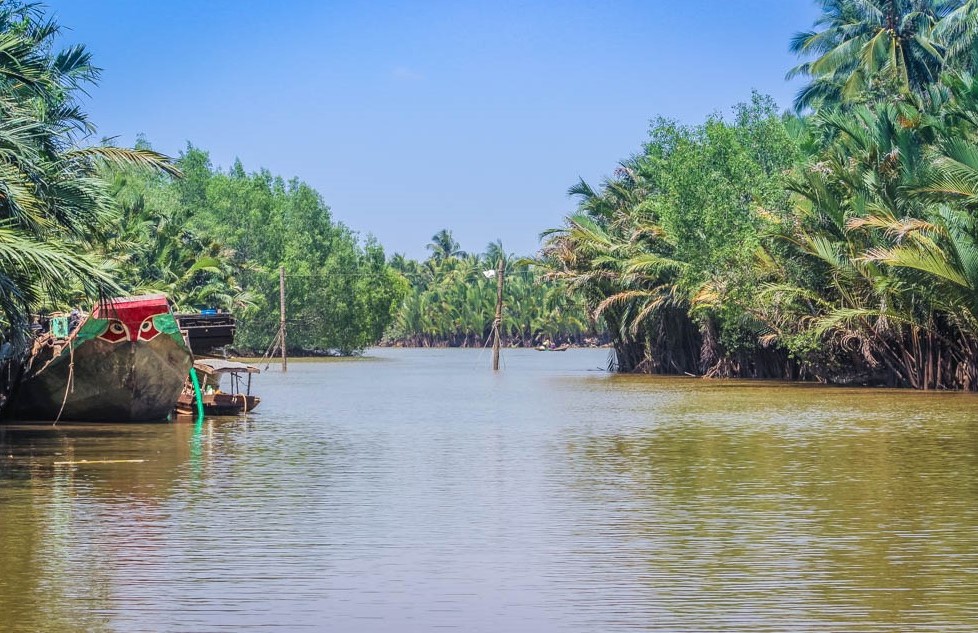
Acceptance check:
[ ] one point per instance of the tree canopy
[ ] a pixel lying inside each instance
(81, 221)
(216, 239)
(840, 244)
(452, 296)
(55, 207)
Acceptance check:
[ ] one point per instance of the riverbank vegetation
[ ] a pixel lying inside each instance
(216, 238)
(452, 296)
(81, 221)
(54, 204)
(838, 243)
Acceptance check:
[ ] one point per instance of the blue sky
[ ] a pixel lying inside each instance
(416, 116)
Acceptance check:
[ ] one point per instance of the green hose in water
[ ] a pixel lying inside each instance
(198, 396)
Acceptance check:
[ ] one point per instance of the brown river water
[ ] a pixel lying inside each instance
(415, 490)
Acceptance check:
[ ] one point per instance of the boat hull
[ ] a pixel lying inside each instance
(93, 378)
(218, 404)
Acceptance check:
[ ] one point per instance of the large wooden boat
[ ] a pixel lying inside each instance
(126, 362)
(237, 400)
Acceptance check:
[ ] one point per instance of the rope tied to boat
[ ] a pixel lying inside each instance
(70, 386)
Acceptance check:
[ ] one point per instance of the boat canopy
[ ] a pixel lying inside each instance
(156, 304)
(211, 366)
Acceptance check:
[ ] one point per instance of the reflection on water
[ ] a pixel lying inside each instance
(417, 490)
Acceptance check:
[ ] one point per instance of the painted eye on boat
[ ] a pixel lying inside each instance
(116, 328)
(145, 327)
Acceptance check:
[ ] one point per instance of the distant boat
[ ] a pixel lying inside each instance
(215, 401)
(126, 362)
(544, 348)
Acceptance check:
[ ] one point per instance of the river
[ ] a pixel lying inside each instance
(415, 490)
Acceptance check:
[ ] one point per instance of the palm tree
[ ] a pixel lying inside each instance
(454, 303)
(959, 29)
(154, 247)
(863, 49)
(443, 246)
(494, 253)
(885, 216)
(53, 201)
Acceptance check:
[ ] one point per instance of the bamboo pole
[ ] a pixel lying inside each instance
(497, 324)
(281, 321)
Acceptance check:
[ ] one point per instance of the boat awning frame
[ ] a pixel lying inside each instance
(212, 366)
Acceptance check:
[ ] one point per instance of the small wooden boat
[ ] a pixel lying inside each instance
(216, 401)
(544, 348)
(126, 362)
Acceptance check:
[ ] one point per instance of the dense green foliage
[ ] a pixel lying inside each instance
(839, 245)
(217, 239)
(677, 228)
(54, 206)
(452, 300)
(81, 222)
(875, 49)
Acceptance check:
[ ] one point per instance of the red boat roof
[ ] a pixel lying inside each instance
(145, 303)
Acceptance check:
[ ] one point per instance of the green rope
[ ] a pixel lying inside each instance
(199, 397)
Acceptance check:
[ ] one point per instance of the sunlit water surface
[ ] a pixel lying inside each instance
(417, 491)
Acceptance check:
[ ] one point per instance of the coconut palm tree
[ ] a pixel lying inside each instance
(860, 50)
(959, 30)
(494, 253)
(443, 246)
(53, 202)
(454, 304)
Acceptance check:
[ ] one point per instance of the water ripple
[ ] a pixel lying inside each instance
(420, 492)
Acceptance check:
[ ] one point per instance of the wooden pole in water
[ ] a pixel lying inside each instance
(497, 324)
(281, 318)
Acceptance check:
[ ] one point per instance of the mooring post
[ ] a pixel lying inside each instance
(281, 318)
(497, 324)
